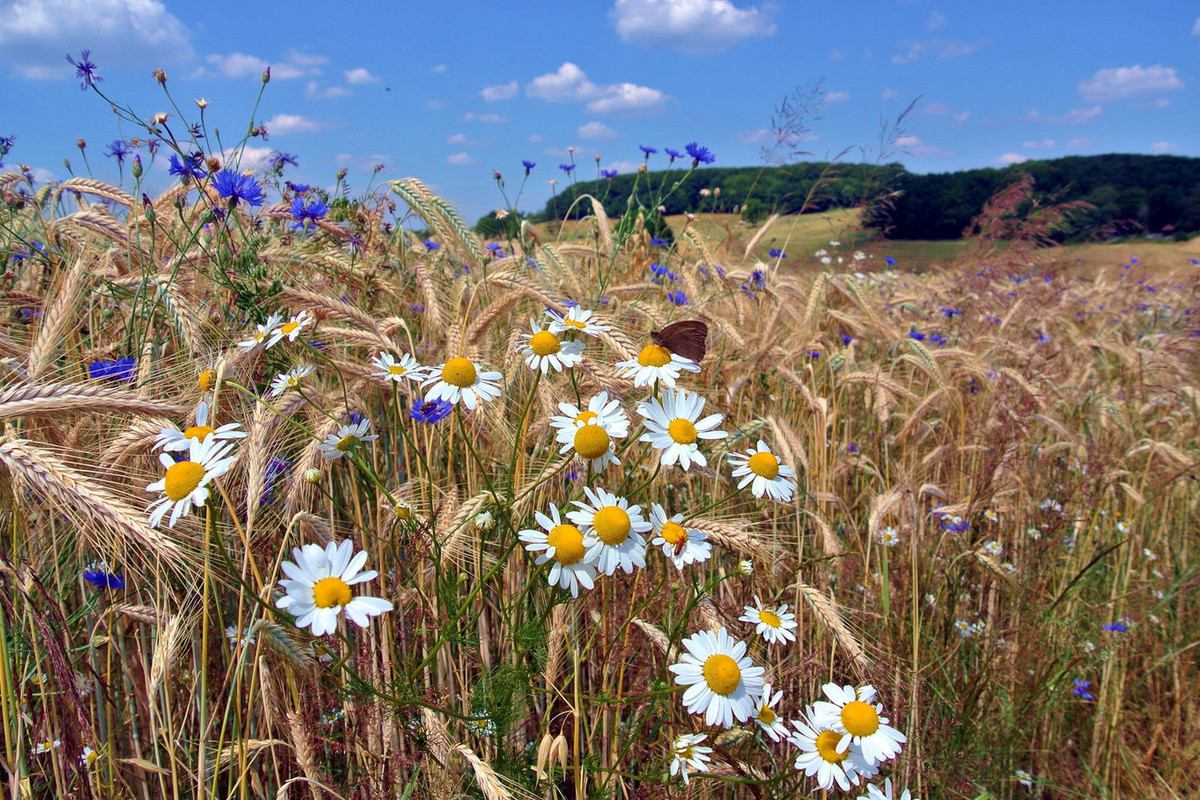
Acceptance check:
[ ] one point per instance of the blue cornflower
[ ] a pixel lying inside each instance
(758, 279)
(814, 354)
(281, 160)
(297, 188)
(937, 338)
(700, 155)
(920, 337)
(1081, 689)
(566, 167)
(1120, 626)
(852, 448)
(311, 211)
(123, 370)
(118, 150)
(187, 168)
(674, 154)
(20, 255)
(847, 338)
(495, 249)
(99, 575)
(356, 418)
(777, 253)
(647, 151)
(528, 165)
(276, 469)
(608, 173)
(1134, 260)
(85, 70)
(1043, 338)
(677, 297)
(431, 410)
(6, 144)
(891, 262)
(660, 271)
(431, 245)
(951, 313)
(569, 303)
(234, 186)
(657, 241)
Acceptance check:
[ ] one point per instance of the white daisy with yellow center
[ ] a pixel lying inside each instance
(291, 380)
(612, 531)
(687, 753)
(543, 350)
(888, 792)
(723, 683)
(318, 587)
(45, 747)
(576, 320)
(88, 757)
(776, 625)
(860, 721)
(766, 716)
(590, 433)
(263, 333)
(680, 544)
(406, 369)
(239, 637)
(347, 439)
(461, 379)
(185, 483)
(763, 471)
(291, 329)
(819, 755)
(674, 426)
(562, 544)
(172, 440)
(656, 363)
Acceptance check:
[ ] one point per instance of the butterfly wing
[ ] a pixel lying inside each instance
(688, 338)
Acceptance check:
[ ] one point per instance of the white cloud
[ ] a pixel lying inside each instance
(501, 91)
(943, 48)
(915, 147)
(318, 91)
(570, 84)
(1011, 158)
(595, 130)
(835, 97)
(283, 124)
(460, 160)
(1082, 141)
(364, 163)
(458, 138)
(934, 109)
(240, 65)
(1164, 147)
(936, 20)
(252, 159)
(1119, 83)
(890, 94)
(764, 135)
(439, 68)
(1076, 116)
(1034, 145)
(535, 137)
(359, 76)
(690, 26)
(961, 117)
(1196, 27)
(34, 35)
(473, 117)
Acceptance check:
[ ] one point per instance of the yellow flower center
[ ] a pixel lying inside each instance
(770, 617)
(459, 372)
(182, 479)
(674, 533)
(654, 355)
(544, 343)
(612, 525)
(330, 592)
(682, 431)
(827, 742)
(585, 416)
(207, 379)
(722, 674)
(766, 715)
(199, 432)
(591, 441)
(91, 757)
(347, 443)
(289, 327)
(567, 542)
(404, 510)
(258, 337)
(764, 464)
(860, 718)
(574, 323)
(396, 369)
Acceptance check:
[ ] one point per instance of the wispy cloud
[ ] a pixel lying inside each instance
(438, 69)
(314, 90)
(1076, 116)
(1008, 159)
(595, 130)
(470, 116)
(1164, 147)
(240, 65)
(283, 124)
(1034, 145)
(502, 91)
(689, 26)
(915, 147)
(570, 84)
(916, 49)
(1119, 83)
(937, 20)
(835, 97)
(460, 160)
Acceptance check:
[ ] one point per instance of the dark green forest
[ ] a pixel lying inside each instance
(1129, 194)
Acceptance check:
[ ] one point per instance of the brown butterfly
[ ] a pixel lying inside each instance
(687, 337)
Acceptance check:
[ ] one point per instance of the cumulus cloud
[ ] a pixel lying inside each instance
(1009, 159)
(835, 97)
(359, 76)
(283, 124)
(915, 147)
(458, 138)
(690, 26)
(34, 35)
(502, 91)
(251, 159)
(319, 91)
(595, 130)
(1119, 83)
(460, 160)
(569, 83)
(1076, 116)
(241, 65)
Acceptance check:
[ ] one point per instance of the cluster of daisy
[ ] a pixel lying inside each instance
(275, 330)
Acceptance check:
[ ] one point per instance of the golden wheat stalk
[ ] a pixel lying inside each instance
(30, 399)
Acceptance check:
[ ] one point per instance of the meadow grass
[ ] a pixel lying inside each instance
(994, 521)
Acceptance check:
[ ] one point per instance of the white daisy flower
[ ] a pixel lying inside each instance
(185, 483)
(1023, 777)
(763, 468)
(561, 543)
(291, 379)
(819, 755)
(318, 587)
(460, 379)
(674, 425)
(239, 637)
(886, 793)
(851, 713)
(543, 350)
(263, 333)
(88, 757)
(722, 682)
(347, 438)
(687, 753)
(773, 624)
(656, 363)
(682, 545)
(612, 531)
(45, 747)
(576, 319)
(766, 717)
(407, 368)
(172, 440)
(599, 409)
(290, 329)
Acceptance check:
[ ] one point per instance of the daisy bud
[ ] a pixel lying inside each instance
(403, 509)
(312, 475)
(485, 521)
(201, 102)
(159, 119)
(746, 567)
(160, 75)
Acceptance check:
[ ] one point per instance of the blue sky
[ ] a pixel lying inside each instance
(448, 92)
